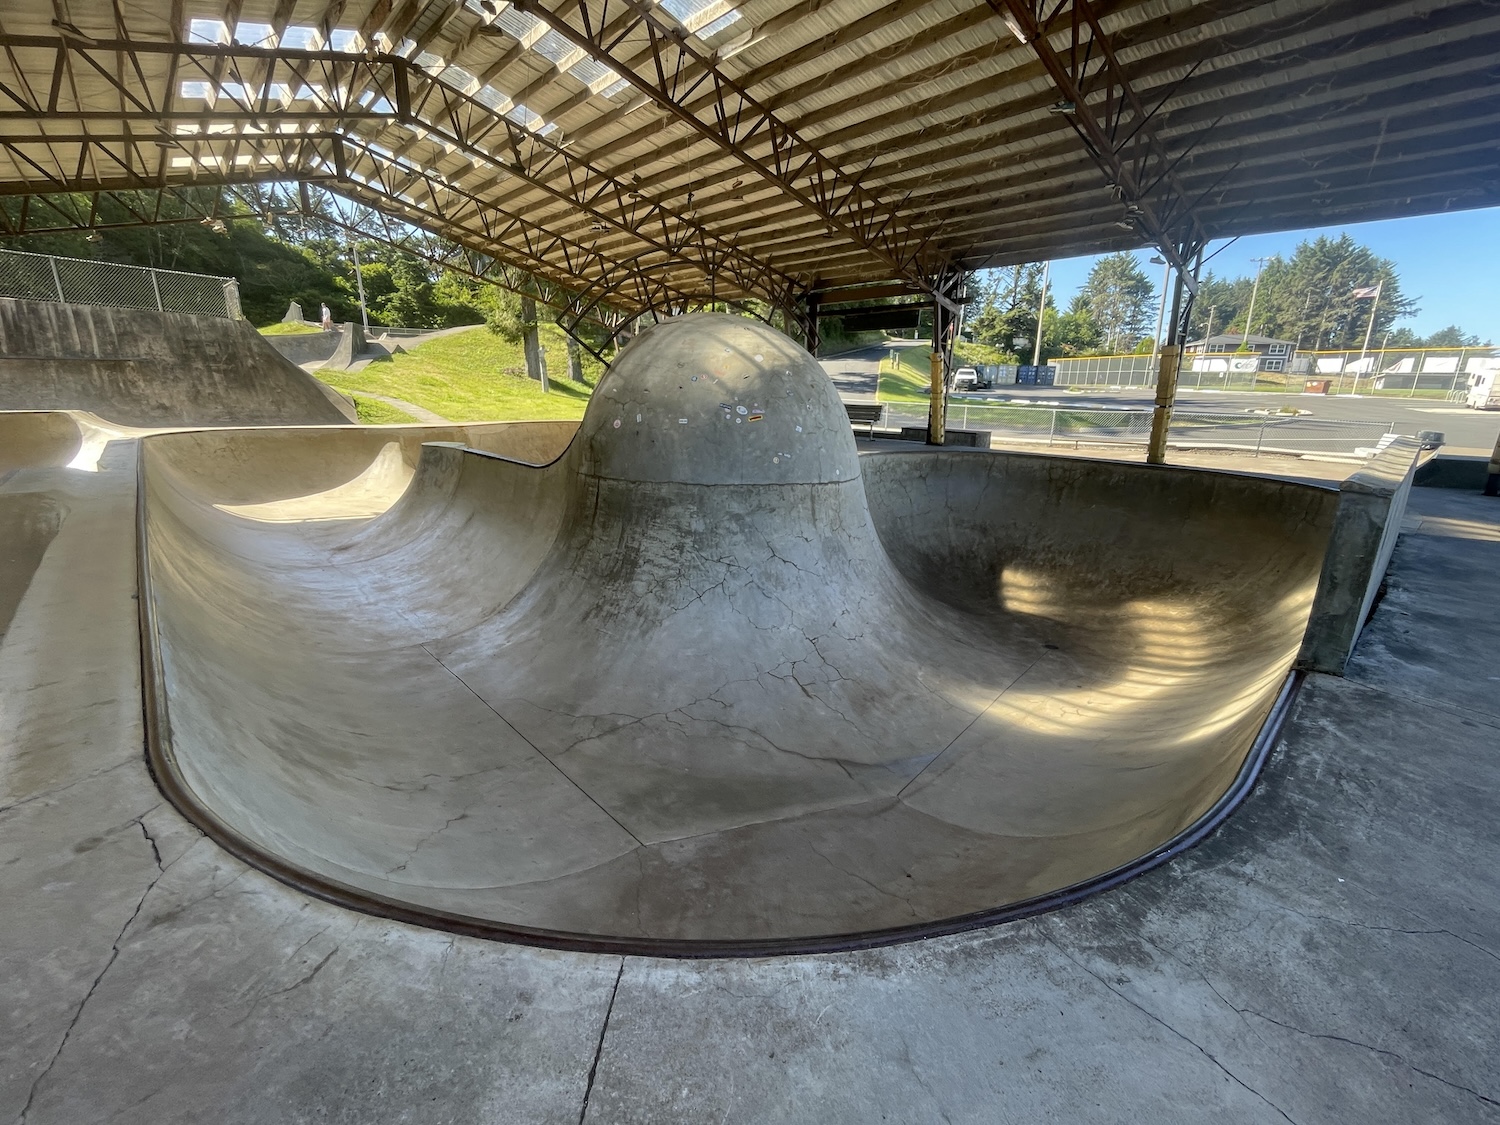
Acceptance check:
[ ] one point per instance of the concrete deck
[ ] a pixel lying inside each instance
(1329, 956)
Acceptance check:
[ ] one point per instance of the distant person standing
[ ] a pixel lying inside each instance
(327, 319)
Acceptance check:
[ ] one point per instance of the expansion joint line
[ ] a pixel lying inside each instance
(588, 1090)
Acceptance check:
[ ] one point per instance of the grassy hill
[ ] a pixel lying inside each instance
(475, 376)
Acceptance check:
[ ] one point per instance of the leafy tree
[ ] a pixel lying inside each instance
(1007, 310)
(1117, 297)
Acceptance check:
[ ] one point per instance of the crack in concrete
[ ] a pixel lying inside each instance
(425, 840)
(56, 789)
(306, 978)
(856, 875)
(114, 954)
(1372, 1049)
(588, 1090)
(1435, 931)
(916, 1073)
(1158, 1020)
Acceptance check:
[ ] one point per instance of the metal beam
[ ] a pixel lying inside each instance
(1118, 130)
(739, 120)
(353, 92)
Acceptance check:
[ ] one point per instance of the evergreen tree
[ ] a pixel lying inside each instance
(1118, 298)
(1451, 337)
(1310, 298)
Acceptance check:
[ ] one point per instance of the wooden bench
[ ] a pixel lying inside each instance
(869, 414)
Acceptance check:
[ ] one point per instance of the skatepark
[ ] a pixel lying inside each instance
(467, 680)
(719, 756)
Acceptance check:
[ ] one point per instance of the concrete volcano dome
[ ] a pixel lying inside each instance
(716, 399)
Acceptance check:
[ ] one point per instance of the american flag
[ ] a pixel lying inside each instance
(1372, 291)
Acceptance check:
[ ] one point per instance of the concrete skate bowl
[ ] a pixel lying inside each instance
(143, 368)
(708, 682)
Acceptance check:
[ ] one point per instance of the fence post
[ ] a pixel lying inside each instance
(156, 288)
(1260, 438)
(1053, 431)
(56, 278)
(232, 298)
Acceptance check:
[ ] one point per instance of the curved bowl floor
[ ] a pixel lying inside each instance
(456, 683)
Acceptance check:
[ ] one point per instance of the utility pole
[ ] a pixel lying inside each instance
(1260, 264)
(1041, 311)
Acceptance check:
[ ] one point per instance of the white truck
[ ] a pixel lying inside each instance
(965, 379)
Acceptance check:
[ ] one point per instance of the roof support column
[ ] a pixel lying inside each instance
(1170, 361)
(946, 309)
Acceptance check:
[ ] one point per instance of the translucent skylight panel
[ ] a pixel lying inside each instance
(254, 35)
(299, 38)
(344, 39)
(515, 23)
(521, 115)
(459, 78)
(491, 97)
(727, 19)
(589, 72)
(208, 31)
(553, 47)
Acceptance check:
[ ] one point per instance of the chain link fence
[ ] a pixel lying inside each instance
(79, 281)
(1439, 373)
(1076, 428)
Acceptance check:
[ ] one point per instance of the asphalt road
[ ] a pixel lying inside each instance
(1467, 431)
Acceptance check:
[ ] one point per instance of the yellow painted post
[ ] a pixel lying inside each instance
(1166, 395)
(937, 407)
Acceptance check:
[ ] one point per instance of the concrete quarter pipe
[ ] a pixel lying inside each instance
(703, 679)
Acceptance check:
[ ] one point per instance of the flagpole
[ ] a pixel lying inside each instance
(1375, 304)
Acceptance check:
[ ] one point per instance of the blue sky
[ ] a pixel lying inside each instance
(1450, 263)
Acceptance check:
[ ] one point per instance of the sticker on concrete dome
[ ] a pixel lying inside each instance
(682, 421)
(617, 423)
(755, 417)
(741, 410)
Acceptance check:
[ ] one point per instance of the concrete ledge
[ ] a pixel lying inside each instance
(309, 347)
(970, 439)
(1372, 503)
(1453, 472)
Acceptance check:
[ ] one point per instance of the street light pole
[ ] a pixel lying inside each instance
(1161, 312)
(364, 313)
(1203, 351)
(1041, 311)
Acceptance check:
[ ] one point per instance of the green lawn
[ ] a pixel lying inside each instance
(282, 328)
(909, 380)
(373, 412)
(476, 376)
